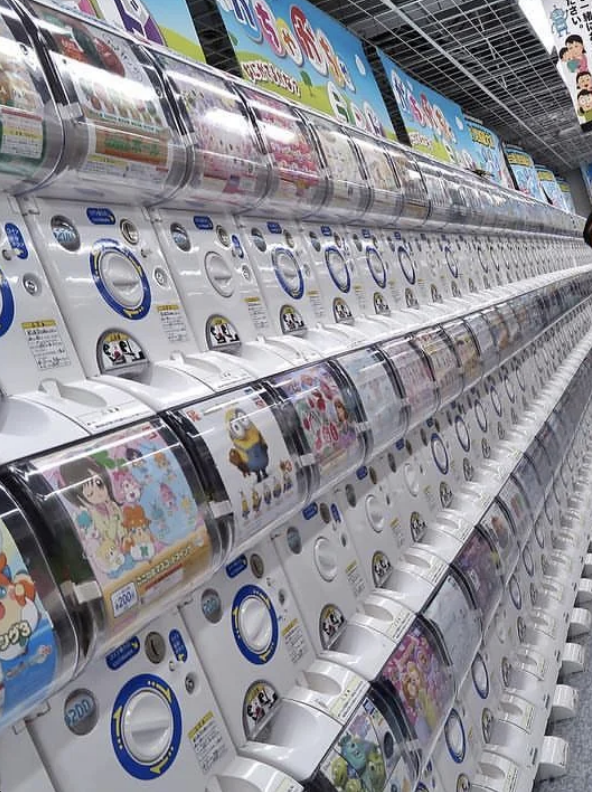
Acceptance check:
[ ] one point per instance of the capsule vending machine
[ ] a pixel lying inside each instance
(360, 282)
(40, 648)
(299, 188)
(45, 399)
(228, 173)
(124, 522)
(100, 254)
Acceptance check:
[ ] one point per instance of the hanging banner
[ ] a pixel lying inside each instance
(524, 172)
(489, 154)
(571, 24)
(567, 196)
(164, 22)
(435, 125)
(549, 186)
(301, 53)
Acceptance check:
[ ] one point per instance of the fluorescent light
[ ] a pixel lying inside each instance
(535, 13)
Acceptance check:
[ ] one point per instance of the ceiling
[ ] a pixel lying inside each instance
(483, 54)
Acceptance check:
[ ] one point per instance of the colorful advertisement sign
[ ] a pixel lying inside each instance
(524, 172)
(489, 154)
(567, 196)
(550, 187)
(571, 24)
(165, 22)
(299, 52)
(435, 125)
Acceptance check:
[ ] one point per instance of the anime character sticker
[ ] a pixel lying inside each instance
(134, 510)
(326, 422)
(251, 456)
(28, 649)
(367, 756)
(418, 674)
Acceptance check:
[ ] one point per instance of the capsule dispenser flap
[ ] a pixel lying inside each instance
(124, 513)
(239, 446)
(122, 139)
(39, 647)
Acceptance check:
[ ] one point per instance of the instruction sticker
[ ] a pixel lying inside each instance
(46, 344)
(173, 323)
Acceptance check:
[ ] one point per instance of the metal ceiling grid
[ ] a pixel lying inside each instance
(483, 54)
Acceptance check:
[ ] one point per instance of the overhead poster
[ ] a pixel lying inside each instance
(489, 154)
(165, 22)
(550, 187)
(302, 53)
(524, 172)
(571, 24)
(435, 125)
(567, 196)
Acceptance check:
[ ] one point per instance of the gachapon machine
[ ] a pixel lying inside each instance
(197, 230)
(254, 472)
(40, 646)
(45, 400)
(124, 520)
(362, 274)
(318, 403)
(272, 237)
(101, 255)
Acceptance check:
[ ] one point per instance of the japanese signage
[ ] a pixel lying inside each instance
(550, 187)
(571, 24)
(524, 172)
(489, 154)
(301, 53)
(435, 125)
(165, 22)
(567, 196)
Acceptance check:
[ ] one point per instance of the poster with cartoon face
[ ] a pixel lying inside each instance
(419, 676)
(478, 562)
(458, 622)
(134, 510)
(28, 646)
(259, 473)
(384, 408)
(129, 136)
(367, 757)
(296, 163)
(22, 143)
(330, 429)
(414, 374)
(231, 163)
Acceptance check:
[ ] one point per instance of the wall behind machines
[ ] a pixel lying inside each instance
(294, 459)
(579, 192)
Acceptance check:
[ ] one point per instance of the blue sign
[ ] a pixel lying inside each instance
(299, 52)
(489, 154)
(435, 125)
(524, 172)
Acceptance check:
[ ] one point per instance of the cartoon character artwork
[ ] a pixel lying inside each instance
(327, 423)
(419, 676)
(124, 495)
(250, 455)
(479, 564)
(249, 450)
(28, 648)
(368, 756)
